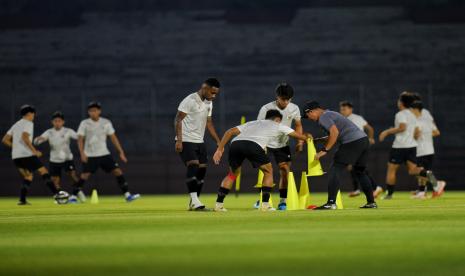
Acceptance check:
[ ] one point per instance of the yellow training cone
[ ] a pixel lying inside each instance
(314, 166)
(94, 197)
(292, 196)
(304, 192)
(260, 180)
(339, 201)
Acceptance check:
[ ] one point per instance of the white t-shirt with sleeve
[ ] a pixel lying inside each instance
(95, 134)
(426, 125)
(60, 140)
(195, 122)
(405, 139)
(358, 120)
(19, 148)
(262, 132)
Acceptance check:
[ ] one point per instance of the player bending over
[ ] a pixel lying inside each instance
(26, 157)
(404, 148)
(346, 109)
(279, 146)
(61, 157)
(92, 142)
(193, 116)
(250, 143)
(353, 150)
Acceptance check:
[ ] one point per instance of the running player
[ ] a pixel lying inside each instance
(92, 142)
(427, 129)
(279, 146)
(250, 143)
(352, 150)
(61, 157)
(193, 116)
(346, 109)
(26, 156)
(404, 148)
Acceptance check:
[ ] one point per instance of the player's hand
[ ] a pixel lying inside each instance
(372, 141)
(38, 153)
(382, 136)
(309, 136)
(84, 158)
(123, 158)
(217, 156)
(320, 154)
(178, 146)
(38, 141)
(299, 147)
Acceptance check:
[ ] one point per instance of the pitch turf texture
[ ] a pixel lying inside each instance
(157, 236)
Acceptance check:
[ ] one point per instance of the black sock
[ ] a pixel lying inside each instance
(24, 189)
(78, 186)
(283, 193)
(423, 173)
(201, 172)
(365, 183)
(390, 189)
(421, 188)
(49, 183)
(266, 194)
(222, 193)
(191, 180)
(334, 182)
(122, 183)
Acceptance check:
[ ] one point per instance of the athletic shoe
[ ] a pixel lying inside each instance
(257, 204)
(419, 195)
(132, 197)
(220, 208)
(370, 206)
(327, 206)
(378, 191)
(282, 206)
(198, 207)
(23, 203)
(267, 208)
(73, 200)
(414, 192)
(81, 196)
(354, 193)
(387, 197)
(440, 191)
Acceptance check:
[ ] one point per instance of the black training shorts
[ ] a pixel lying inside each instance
(242, 149)
(194, 151)
(402, 155)
(280, 155)
(425, 161)
(31, 163)
(56, 168)
(106, 163)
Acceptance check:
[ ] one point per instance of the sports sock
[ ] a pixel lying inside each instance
(49, 183)
(390, 189)
(24, 189)
(191, 180)
(122, 183)
(201, 172)
(421, 188)
(283, 195)
(334, 181)
(222, 193)
(266, 194)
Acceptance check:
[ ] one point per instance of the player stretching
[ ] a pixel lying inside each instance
(26, 157)
(193, 116)
(279, 146)
(353, 150)
(92, 141)
(250, 143)
(61, 158)
(346, 109)
(404, 148)
(427, 129)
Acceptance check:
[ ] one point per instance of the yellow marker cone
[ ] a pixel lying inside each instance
(304, 192)
(314, 166)
(339, 201)
(94, 197)
(238, 179)
(292, 196)
(259, 179)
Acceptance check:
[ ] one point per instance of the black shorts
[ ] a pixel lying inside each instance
(280, 154)
(401, 156)
(354, 153)
(194, 151)
(31, 163)
(425, 161)
(106, 163)
(241, 150)
(55, 169)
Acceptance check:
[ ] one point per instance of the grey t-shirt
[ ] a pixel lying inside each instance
(348, 131)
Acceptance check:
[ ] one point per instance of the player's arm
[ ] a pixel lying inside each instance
(178, 129)
(391, 131)
(417, 133)
(300, 137)
(370, 132)
(332, 139)
(436, 131)
(299, 129)
(25, 137)
(115, 141)
(211, 130)
(228, 135)
(41, 139)
(7, 140)
(81, 148)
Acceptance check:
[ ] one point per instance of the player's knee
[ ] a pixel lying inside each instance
(43, 171)
(267, 168)
(283, 168)
(117, 172)
(85, 176)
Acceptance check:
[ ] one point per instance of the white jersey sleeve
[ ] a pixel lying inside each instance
(109, 129)
(82, 129)
(10, 132)
(262, 113)
(186, 105)
(285, 129)
(400, 118)
(210, 113)
(72, 134)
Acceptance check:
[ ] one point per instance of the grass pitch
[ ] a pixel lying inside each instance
(157, 236)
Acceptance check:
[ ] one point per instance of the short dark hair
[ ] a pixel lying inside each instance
(284, 90)
(416, 96)
(346, 103)
(212, 82)
(25, 109)
(94, 104)
(58, 114)
(417, 105)
(273, 114)
(406, 98)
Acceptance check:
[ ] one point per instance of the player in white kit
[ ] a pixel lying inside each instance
(61, 158)
(279, 146)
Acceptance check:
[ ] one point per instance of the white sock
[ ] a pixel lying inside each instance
(219, 204)
(195, 198)
(126, 194)
(265, 205)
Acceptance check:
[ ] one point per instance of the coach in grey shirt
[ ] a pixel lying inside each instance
(352, 150)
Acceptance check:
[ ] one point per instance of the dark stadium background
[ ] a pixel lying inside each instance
(140, 58)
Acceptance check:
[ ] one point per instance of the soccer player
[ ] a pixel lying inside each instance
(61, 157)
(250, 143)
(404, 148)
(352, 150)
(193, 116)
(346, 109)
(279, 146)
(427, 130)
(92, 142)
(26, 156)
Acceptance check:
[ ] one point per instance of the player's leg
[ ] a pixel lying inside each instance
(59, 194)
(27, 177)
(70, 170)
(55, 173)
(414, 170)
(108, 165)
(225, 187)
(202, 170)
(365, 183)
(267, 186)
(88, 168)
(284, 169)
(396, 158)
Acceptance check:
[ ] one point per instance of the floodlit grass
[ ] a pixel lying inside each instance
(157, 236)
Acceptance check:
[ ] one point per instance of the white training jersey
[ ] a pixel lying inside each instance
(19, 148)
(290, 113)
(262, 132)
(95, 134)
(406, 138)
(60, 140)
(358, 120)
(198, 111)
(425, 142)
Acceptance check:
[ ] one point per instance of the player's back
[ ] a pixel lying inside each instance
(261, 131)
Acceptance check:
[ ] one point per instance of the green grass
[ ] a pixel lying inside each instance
(157, 236)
